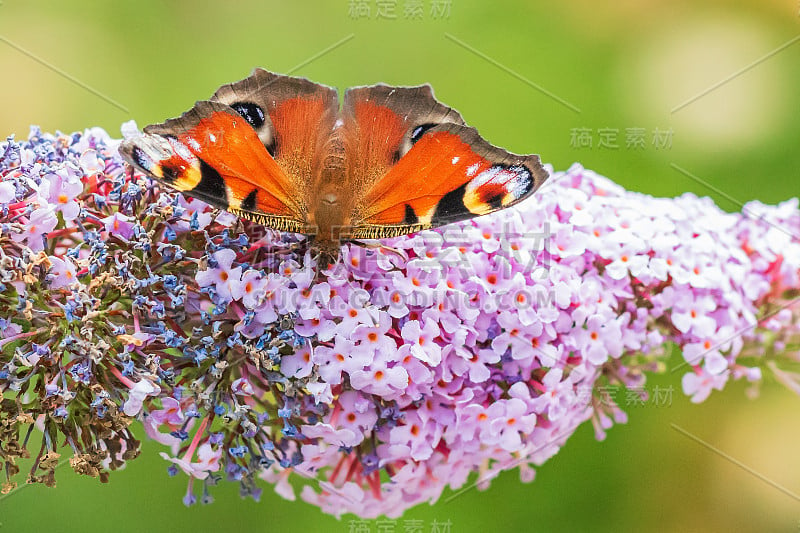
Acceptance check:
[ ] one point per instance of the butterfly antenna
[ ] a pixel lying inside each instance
(397, 251)
(378, 245)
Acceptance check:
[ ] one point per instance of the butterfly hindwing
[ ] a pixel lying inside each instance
(381, 124)
(293, 118)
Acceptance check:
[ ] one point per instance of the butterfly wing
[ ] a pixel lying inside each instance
(293, 117)
(427, 168)
(249, 150)
(381, 124)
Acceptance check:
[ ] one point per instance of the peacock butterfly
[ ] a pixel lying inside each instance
(279, 151)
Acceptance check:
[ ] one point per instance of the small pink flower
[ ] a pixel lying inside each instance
(41, 222)
(208, 461)
(242, 387)
(379, 378)
(7, 192)
(602, 339)
(60, 190)
(706, 351)
(299, 364)
(140, 391)
(700, 384)
(421, 339)
(225, 278)
(119, 225)
(90, 163)
(62, 272)
(627, 260)
(170, 413)
(253, 288)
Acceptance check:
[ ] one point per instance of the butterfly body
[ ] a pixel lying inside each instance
(277, 150)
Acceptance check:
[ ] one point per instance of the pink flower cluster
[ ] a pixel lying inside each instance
(487, 338)
(407, 367)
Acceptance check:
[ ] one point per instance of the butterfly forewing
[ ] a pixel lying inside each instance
(450, 174)
(213, 154)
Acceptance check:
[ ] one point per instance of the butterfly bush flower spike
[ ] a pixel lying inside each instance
(384, 379)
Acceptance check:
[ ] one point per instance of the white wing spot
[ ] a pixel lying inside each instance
(212, 137)
(181, 149)
(455, 159)
(472, 169)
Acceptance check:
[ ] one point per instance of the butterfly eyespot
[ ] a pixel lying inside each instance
(419, 131)
(495, 200)
(169, 173)
(252, 113)
(141, 159)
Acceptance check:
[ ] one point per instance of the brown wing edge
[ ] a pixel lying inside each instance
(267, 90)
(451, 208)
(283, 86)
(189, 119)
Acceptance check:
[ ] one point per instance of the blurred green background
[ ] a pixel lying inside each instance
(539, 77)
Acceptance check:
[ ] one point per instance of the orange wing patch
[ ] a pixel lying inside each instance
(291, 120)
(450, 174)
(213, 154)
(379, 130)
(438, 164)
(243, 168)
